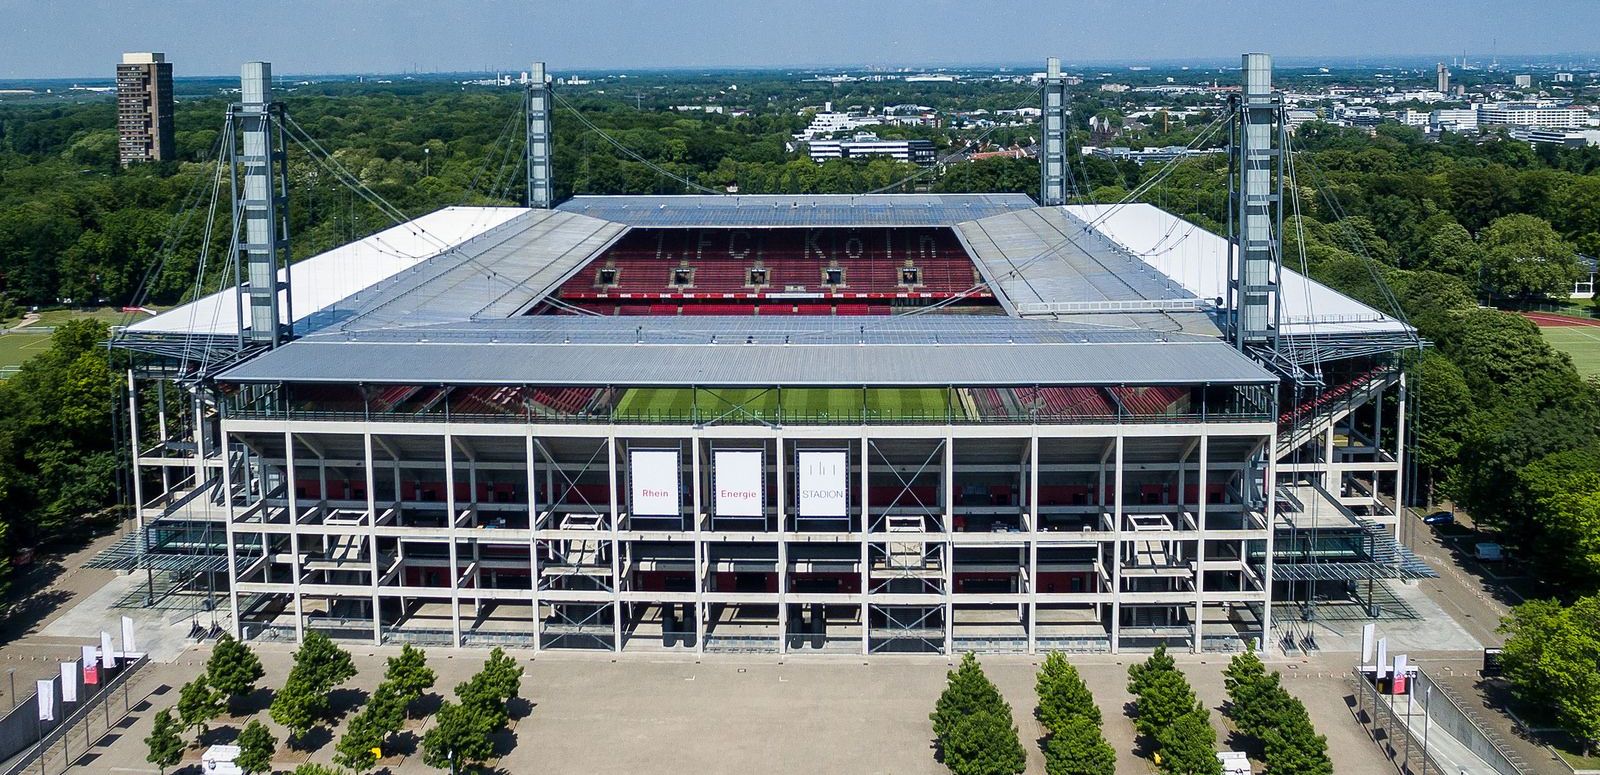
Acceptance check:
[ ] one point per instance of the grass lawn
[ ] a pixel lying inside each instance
(1580, 342)
(16, 348)
(745, 404)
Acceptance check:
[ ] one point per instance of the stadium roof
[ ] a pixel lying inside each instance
(795, 210)
(825, 364)
(1041, 262)
(1196, 261)
(322, 285)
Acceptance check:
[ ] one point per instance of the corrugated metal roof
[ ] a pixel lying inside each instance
(1197, 260)
(780, 329)
(737, 365)
(493, 277)
(1041, 257)
(796, 210)
(323, 285)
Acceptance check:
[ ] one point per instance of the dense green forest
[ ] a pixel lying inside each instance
(1505, 425)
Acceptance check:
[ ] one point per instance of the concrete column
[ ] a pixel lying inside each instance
(703, 555)
(133, 451)
(949, 521)
(1033, 539)
(866, 533)
(1201, 501)
(783, 544)
(1116, 569)
(1399, 453)
(294, 531)
(1270, 482)
(533, 537)
(227, 514)
(372, 534)
(450, 525)
(616, 546)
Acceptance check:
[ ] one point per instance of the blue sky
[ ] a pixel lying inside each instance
(68, 38)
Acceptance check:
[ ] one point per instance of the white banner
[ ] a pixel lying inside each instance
(47, 699)
(128, 646)
(69, 681)
(108, 657)
(824, 478)
(740, 478)
(653, 482)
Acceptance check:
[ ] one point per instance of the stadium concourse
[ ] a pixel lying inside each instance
(836, 424)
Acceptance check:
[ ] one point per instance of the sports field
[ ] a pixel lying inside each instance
(16, 348)
(1577, 337)
(744, 405)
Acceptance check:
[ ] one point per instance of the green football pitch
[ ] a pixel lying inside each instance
(740, 404)
(1582, 342)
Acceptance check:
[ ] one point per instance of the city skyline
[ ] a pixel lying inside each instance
(454, 36)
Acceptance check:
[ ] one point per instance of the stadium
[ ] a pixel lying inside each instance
(846, 424)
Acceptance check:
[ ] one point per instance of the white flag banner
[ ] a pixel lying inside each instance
(653, 482)
(47, 699)
(128, 646)
(1381, 666)
(740, 478)
(824, 478)
(69, 681)
(108, 657)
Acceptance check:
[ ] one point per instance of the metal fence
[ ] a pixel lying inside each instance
(1387, 727)
(94, 718)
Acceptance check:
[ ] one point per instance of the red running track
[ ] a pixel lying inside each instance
(1559, 321)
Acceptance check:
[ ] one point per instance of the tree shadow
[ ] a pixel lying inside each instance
(220, 734)
(426, 705)
(504, 741)
(519, 707)
(312, 741)
(257, 700)
(343, 701)
(403, 744)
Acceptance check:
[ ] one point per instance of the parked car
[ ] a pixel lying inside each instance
(1439, 518)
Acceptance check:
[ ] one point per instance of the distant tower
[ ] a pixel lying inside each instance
(1257, 216)
(1442, 79)
(1053, 137)
(144, 108)
(262, 205)
(541, 194)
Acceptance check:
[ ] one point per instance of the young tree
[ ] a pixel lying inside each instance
(198, 704)
(1293, 747)
(1189, 744)
(967, 690)
(984, 743)
(233, 668)
(321, 664)
(1062, 694)
(386, 709)
(1256, 700)
(297, 707)
(409, 675)
(256, 747)
(312, 768)
(356, 750)
(166, 747)
(1162, 693)
(459, 736)
(1079, 748)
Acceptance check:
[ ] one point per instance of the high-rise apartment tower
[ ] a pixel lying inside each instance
(144, 108)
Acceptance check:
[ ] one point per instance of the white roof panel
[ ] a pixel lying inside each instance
(321, 282)
(1198, 260)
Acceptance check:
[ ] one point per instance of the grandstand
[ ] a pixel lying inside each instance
(836, 424)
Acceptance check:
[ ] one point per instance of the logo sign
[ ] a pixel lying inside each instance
(823, 478)
(654, 482)
(739, 477)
